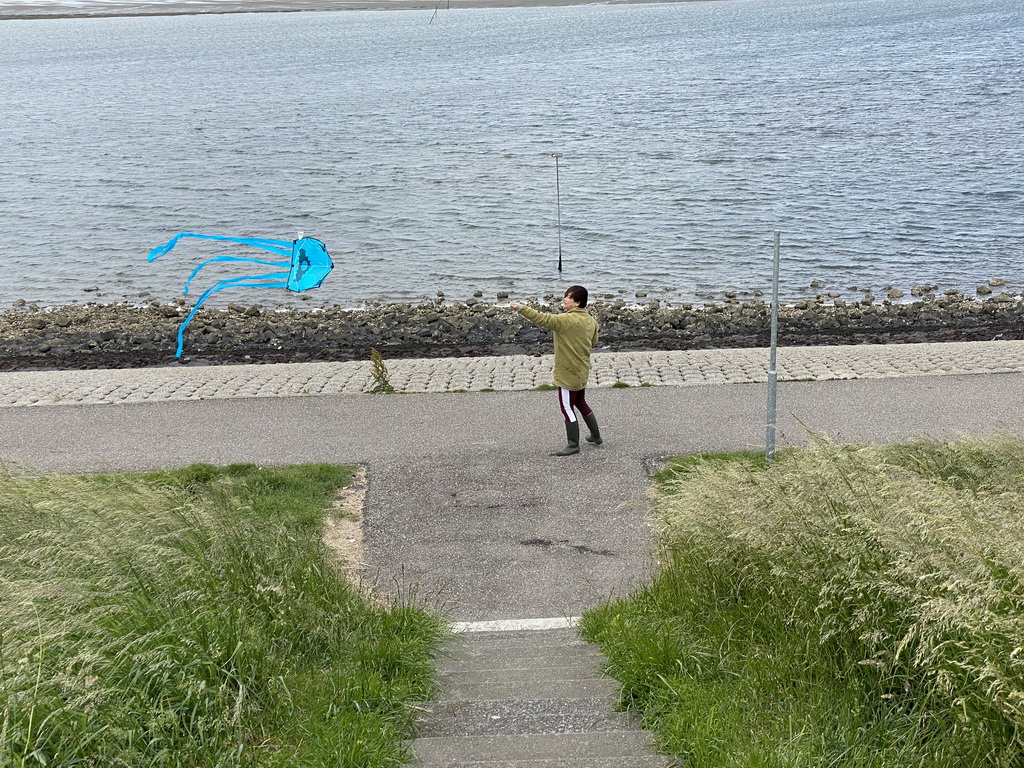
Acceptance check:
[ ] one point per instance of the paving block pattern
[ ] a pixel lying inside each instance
(513, 372)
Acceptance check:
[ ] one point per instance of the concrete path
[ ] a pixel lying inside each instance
(464, 503)
(465, 507)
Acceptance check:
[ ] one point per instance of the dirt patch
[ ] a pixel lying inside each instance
(343, 528)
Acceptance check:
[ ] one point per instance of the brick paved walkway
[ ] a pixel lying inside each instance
(517, 372)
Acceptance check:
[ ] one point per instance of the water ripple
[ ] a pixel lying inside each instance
(883, 139)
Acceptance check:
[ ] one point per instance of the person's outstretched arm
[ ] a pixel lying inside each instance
(543, 319)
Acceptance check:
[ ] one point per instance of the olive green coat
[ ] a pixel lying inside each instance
(575, 333)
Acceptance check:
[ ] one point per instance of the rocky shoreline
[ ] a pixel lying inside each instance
(123, 336)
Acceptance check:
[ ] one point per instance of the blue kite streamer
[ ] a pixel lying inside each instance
(307, 267)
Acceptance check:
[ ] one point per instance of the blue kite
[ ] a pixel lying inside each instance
(307, 267)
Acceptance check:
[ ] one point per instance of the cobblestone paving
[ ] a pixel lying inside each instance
(517, 372)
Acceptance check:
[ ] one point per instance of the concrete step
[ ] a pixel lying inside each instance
(536, 686)
(494, 718)
(572, 749)
(464, 655)
(650, 761)
(549, 664)
(528, 699)
(529, 640)
(481, 672)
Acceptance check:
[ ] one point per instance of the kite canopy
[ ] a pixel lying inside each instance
(308, 266)
(311, 265)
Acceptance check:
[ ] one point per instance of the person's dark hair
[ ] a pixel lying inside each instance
(578, 294)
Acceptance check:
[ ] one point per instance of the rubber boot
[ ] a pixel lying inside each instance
(572, 435)
(595, 434)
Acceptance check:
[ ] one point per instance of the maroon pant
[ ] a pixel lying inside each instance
(572, 400)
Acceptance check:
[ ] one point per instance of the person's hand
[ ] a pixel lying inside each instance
(514, 305)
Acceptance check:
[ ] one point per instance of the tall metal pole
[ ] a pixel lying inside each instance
(558, 208)
(773, 375)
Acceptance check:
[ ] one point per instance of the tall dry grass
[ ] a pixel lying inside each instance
(194, 618)
(884, 584)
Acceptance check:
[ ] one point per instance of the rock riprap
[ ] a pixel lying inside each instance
(120, 335)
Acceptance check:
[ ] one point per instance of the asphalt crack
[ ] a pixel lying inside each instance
(566, 544)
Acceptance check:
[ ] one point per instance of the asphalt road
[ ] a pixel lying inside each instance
(464, 506)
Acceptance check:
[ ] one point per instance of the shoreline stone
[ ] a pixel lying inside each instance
(124, 336)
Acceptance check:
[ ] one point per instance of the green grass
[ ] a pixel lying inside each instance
(847, 606)
(680, 467)
(195, 618)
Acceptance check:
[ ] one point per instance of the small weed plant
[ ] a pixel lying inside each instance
(195, 618)
(379, 372)
(846, 606)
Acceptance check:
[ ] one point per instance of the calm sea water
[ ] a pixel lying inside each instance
(883, 138)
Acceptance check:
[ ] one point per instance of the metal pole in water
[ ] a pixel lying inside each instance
(773, 375)
(558, 208)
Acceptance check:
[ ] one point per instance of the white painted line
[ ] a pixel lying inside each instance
(514, 625)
